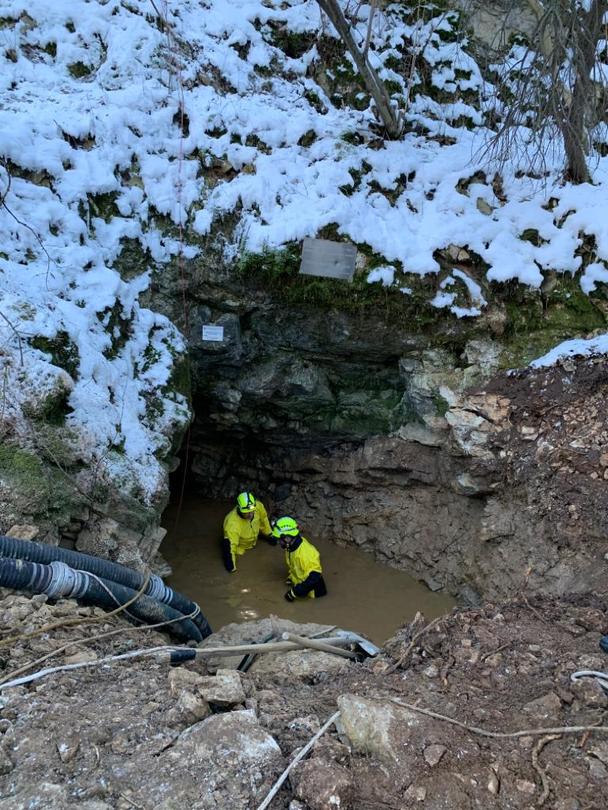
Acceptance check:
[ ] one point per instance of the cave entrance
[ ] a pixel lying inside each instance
(363, 595)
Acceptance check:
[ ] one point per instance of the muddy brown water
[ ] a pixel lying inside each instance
(363, 595)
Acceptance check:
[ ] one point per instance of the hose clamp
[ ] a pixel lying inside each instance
(157, 589)
(65, 581)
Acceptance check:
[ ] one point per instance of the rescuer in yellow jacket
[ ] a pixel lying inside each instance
(242, 526)
(305, 576)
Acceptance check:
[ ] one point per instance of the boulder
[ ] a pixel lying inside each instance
(222, 689)
(297, 665)
(224, 761)
(323, 785)
(378, 728)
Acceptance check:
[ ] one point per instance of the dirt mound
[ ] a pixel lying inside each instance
(141, 733)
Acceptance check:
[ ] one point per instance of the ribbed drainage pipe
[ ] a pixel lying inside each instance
(16, 549)
(58, 580)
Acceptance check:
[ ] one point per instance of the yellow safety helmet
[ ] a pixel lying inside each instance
(285, 526)
(245, 502)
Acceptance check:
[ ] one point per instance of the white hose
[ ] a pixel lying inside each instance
(600, 677)
(93, 663)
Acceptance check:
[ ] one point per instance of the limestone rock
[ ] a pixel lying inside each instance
(253, 632)
(222, 689)
(474, 418)
(483, 207)
(297, 664)
(545, 707)
(191, 704)
(41, 794)
(24, 531)
(81, 657)
(230, 753)
(6, 763)
(415, 794)
(323, 785)
(433, 754)
(378, 728)
(67, 748)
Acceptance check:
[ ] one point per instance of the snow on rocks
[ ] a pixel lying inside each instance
(119, 128)
(573, 348)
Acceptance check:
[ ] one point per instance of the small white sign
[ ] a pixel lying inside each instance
(212, 332)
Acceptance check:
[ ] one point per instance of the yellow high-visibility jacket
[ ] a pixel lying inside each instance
(243, 534)
(302, 562)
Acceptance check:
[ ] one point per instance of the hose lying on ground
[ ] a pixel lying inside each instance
(12, 548)
(59, 580)
(171, 655)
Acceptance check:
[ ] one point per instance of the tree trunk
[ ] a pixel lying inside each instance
(575, 126)
(387, 114)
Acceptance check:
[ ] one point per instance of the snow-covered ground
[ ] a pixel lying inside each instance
(121, 115)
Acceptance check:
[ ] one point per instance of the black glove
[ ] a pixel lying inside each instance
(290, 596)
(272, 541)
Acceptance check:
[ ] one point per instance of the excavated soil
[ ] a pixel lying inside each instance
(144, 734)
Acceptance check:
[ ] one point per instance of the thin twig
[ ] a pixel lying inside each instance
(14, 328)
(500, 735)
(131, 802)
(9, 180)
(295, 760)
(49, 259)
(410, 646)
(541, 771)
(105, 616)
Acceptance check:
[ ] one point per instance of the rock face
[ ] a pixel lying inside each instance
(494, 24)
(402, 435)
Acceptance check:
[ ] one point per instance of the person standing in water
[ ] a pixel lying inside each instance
(242, 526)
(305, 575)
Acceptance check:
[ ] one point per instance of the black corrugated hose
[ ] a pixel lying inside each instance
(123, 583)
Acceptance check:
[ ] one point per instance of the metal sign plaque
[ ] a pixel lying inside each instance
(322, 257)
(213, 333)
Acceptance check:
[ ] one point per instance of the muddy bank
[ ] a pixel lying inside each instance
(147, 735)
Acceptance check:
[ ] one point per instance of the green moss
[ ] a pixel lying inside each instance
(278, 273)
(532, 235)
(442, 406)
(537, 320)
(314, 100)
(392, 86)
(133, 259)
(23, 466)
(79, 70)
(117, 327)
(293, 44)
(308, 138)
(62, 349)
(53, 410)
(180, 379)
(151, 356)
(42, 485)
(51, 49)
(104, 205)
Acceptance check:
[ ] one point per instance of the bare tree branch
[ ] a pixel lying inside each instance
(553, 95)
(391, 120)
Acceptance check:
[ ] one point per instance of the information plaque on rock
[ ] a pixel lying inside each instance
(323, 257)
(213, 333)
